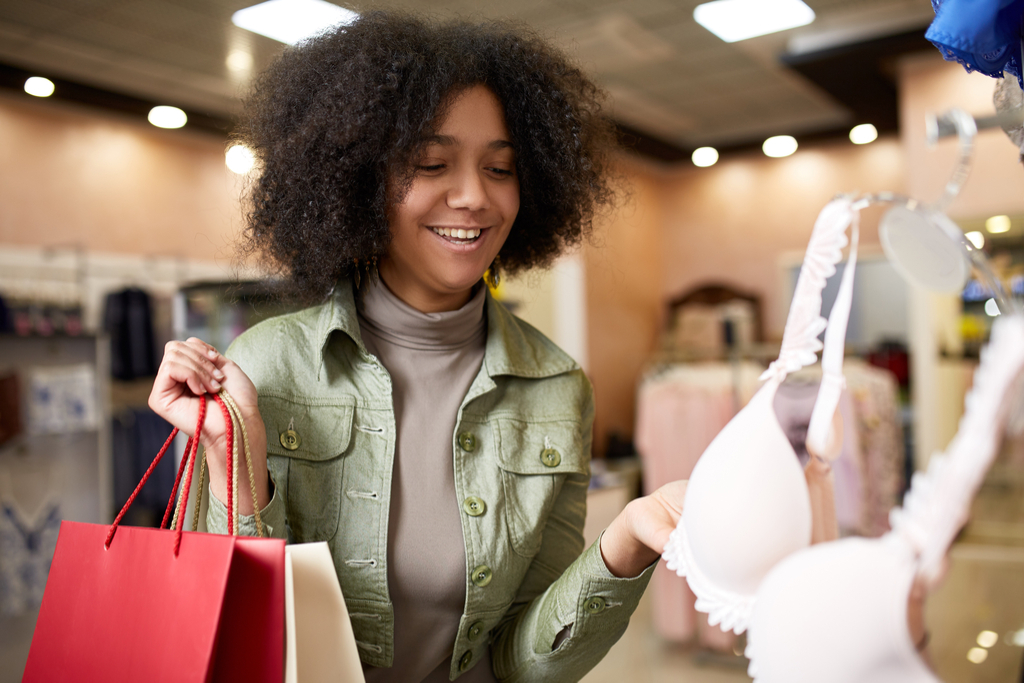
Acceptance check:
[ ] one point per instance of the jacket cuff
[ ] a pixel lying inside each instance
(625, 591)
(272, 516)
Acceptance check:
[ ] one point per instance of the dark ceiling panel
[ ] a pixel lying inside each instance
(859, 77)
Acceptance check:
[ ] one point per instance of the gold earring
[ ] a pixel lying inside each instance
(372, 275)
(492, 276)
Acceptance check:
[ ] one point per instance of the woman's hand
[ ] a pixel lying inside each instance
(191, 369)
(637, 537)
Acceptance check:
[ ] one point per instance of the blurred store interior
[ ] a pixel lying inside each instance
(673, 308)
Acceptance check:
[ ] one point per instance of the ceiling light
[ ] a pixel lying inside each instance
(779, 146)
(239, 159)
(991, 310)
(977, 655)
(976, 238)
(705, 156)
(167, 117)
(863, 134)
(1018, 638)
(239, 60)
(988, 638)
(734, 20)
(39, 86)
(998, 224)
(291, 21)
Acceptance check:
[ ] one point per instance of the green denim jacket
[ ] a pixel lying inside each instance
(521, 445)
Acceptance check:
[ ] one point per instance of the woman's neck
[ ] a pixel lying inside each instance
(423, 299)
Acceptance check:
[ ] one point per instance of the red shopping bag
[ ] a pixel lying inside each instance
(160, 604)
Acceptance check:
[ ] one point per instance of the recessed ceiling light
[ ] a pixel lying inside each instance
(976, 238)
(863, 134)
(705, 156)
(239, 159)
(779, 146)
(239, 60)
(734, 20)
(167, 117)
(291, 21)
(988, 638)
(998, 224)
(39, 86)
(977, 655)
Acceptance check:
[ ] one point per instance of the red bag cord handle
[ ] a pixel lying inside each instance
(194, 443)
(165, 522)
(230, 442)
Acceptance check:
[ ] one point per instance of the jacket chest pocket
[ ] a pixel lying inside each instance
(534, 458)
(312, 440)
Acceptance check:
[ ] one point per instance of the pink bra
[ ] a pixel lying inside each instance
(747, 503)
(838, 611)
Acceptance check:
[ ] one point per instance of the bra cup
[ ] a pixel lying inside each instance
(747, 504)
(837, 612)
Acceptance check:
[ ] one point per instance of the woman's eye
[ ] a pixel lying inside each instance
(501, 171)
(429, 167)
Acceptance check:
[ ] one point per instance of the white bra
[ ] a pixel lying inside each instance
(747, 503)
(837, 611)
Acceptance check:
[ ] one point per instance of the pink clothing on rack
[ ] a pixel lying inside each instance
(678, 415)
(793, 404)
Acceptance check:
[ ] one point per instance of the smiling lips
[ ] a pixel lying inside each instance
(458, 235)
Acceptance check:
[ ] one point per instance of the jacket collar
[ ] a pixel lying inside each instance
(513, 346)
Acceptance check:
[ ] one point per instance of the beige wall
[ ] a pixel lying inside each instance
(734, 222)
(624, 291)
(929, 85)
(71, 176)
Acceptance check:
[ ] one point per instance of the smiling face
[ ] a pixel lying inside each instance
(458, 210)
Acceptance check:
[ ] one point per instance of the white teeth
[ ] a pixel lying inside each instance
(458, 233)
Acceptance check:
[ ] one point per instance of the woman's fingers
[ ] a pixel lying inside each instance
(195, 366)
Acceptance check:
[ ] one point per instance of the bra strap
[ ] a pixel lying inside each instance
(819, 431)
(800, 344)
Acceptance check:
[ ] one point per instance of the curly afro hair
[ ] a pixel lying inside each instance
(337, 118)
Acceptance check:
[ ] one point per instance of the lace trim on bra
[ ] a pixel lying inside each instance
(728, 610)
(800, 343)
(939, 499)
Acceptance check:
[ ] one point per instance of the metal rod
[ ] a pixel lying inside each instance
(937, 127)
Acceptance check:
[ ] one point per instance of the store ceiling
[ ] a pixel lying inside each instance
(673, 84)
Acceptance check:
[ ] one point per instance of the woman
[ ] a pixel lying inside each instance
(436, 442)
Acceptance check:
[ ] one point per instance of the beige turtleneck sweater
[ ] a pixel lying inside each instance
(432, 359)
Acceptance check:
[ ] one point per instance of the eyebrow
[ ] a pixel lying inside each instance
(449, 141)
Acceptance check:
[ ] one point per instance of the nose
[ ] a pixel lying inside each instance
(468, 191)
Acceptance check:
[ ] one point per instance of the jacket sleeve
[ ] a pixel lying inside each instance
(565, 592)
(272, 515)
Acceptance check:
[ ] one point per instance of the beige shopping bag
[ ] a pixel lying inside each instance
(320, 644)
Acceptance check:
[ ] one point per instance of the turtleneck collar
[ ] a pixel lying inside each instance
(391, 319)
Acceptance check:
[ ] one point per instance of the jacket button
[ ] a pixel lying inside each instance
(474, 506)
(475, 629)
(594, 605)
(467, 442)
(290, 439)
(482, 575)
(550, 457)
(466, 660)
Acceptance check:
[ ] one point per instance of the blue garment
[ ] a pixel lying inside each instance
(982, 35)
(26, 550)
